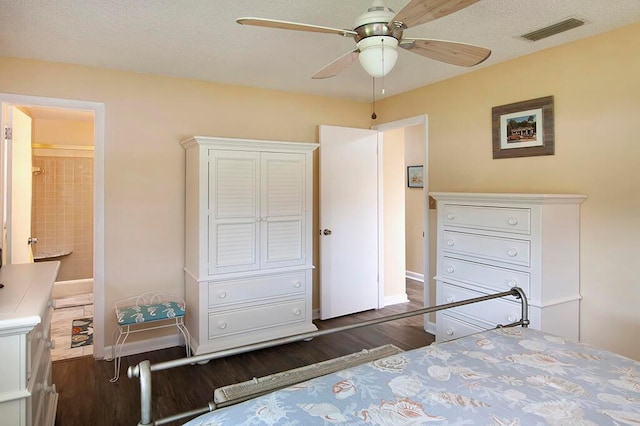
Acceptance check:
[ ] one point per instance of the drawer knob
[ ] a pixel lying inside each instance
(222, 325)
(512, 283)
(449, 331)
(450, 242)
(222, 294)
(512, 318)
(450, 269)
(512, 252)
(513, 221)
(297, 312)
(451, 215)
(297, 284)
(258, 219)
(451, 299)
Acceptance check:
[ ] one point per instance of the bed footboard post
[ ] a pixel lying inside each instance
(143, 372)
(519, 293)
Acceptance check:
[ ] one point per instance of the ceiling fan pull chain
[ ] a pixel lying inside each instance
(373, 115)
(382, 45)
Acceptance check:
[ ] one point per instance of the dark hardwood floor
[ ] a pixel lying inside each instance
(86, 397)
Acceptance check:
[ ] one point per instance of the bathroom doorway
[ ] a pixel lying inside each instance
(59, 218)
(62, 219)
(97, 111)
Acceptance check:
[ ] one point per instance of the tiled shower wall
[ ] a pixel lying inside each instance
(62, 212)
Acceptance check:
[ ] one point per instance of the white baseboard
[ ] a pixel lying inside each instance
(396, 299)
(146, 345)
(414, 276)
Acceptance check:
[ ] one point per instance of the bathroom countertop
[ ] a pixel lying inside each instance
(51, 254)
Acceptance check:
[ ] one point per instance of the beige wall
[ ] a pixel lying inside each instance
(146, 118)
(393, 214)
(597, 104)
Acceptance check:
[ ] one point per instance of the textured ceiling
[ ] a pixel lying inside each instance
(199, 38)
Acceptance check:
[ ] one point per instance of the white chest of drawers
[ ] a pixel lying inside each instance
(27, 396)
(488, 243)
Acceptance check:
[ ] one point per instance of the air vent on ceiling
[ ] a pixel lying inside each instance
(554, 29)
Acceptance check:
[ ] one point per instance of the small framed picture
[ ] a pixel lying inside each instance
(414, 177)
(523, 129)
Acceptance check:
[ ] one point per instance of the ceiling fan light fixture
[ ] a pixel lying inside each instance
(378, 55)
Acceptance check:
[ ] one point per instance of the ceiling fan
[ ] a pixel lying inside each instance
(379, 32)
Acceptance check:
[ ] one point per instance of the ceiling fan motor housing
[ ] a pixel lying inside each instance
(377, 21)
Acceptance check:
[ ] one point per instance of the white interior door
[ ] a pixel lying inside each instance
(18, 190)
(348, 221)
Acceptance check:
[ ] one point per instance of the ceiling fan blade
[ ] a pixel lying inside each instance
(285, 25)
(462, 54)
(418, 12)
(337, 66)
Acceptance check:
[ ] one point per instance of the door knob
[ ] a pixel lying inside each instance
(327, 232)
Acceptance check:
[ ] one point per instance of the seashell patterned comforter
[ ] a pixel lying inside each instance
(512, 376)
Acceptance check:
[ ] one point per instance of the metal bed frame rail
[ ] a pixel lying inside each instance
(143, 370)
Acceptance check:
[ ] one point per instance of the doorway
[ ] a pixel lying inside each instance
(67, 216)
(389, 283)
(409, 138)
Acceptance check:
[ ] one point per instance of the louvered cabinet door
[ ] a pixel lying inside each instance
(233, 211)
(282, 210)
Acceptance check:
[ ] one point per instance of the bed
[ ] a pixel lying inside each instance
(505, 376)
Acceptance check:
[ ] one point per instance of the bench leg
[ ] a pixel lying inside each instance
(185, 334)
(123, 333)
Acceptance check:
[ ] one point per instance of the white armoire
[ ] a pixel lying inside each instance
(248, 244)
(489, 243)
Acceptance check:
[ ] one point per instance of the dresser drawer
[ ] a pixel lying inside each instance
(252, 318)
(40, 334)
(507, 250)
(494, 312)
(501, 219)
(450, 328)
(41, 398)
(244, 290)
(40, 380)
(492, 278)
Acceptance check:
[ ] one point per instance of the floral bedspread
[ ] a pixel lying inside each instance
(511, 376)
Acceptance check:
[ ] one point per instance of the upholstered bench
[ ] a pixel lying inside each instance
(147, 311)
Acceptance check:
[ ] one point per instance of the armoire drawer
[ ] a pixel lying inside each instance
(450, 328)
(244, 290)
(225, 323)
(507, 250)
(490, 277)
(501, 219)
(495, 311)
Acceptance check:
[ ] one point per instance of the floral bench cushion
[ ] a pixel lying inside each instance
(128, 315)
